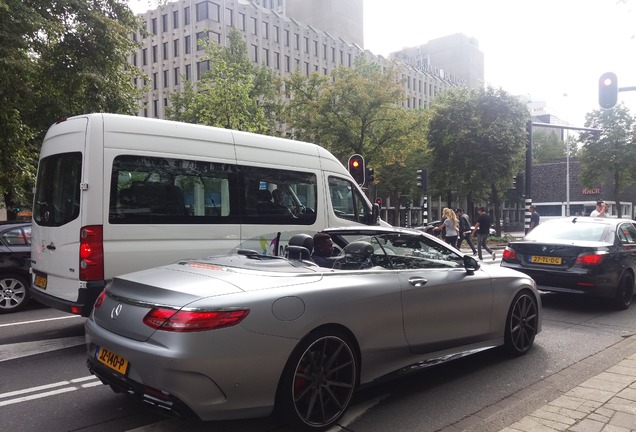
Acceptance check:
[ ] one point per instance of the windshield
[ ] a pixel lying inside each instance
(568, 230)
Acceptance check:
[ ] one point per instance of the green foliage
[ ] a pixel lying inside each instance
(477, 140)
(233, 94)
(58, 59)
(547, 146)
(613, 154)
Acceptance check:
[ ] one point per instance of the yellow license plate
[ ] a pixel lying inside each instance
(40, 281)
(546, 260)
(112, 360)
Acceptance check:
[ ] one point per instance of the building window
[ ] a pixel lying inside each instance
(324, 51)
(175, 19)
(276, 34)
(307, 68)
(165, 50)
(316, 48)
(202, 67)
(277, 61)
(134, 59)
(296, 41)
(216, 37)
(165, 79)
(266, 56)
(254, 26)
(306, 45)
(165, 102)
(287, 64)
(175, 48)
(265, 30)
(241, 21)
(186, 15)
(153, 26)
(333, 54)
(187, 44)
(207, 10)
(201, 36)
(155, 78)
(286, 37)
(188, 72)
(154, 53)
(177, 76)
(164, 23)
(155, 108)
(229, 17)
(254, 53)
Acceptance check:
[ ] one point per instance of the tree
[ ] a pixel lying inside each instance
(477, 140)
(547, 146)
(613, 154)
(359, 110)
(59, 59)
(233, 94)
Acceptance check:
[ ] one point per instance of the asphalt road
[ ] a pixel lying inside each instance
(45, 385)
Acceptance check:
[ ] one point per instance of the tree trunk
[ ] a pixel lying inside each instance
(497, 209)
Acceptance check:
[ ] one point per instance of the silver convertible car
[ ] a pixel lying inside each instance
(248, 334)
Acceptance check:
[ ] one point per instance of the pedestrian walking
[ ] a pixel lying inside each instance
(464, 230)
(482, 228)
(535, 217)
(451, 224)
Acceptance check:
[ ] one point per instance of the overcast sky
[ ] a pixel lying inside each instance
(551, 50)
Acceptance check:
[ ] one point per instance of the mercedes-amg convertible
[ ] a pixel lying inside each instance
(251, 333)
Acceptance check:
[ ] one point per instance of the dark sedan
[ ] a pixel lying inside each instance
(15, 260)
(579, 255)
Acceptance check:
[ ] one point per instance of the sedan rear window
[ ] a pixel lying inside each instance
(579, 230)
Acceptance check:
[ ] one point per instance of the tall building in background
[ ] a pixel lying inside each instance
(286, 36)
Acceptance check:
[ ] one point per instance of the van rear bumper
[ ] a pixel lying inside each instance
(85, 299)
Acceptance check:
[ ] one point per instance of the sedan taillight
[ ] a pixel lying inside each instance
(193, 320)
(509, 254)
(590, 259)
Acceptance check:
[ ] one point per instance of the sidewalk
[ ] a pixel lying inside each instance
(597, 394)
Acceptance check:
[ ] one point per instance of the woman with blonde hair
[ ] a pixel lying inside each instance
(451, 223)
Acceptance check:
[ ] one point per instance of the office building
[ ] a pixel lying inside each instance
(283, 35)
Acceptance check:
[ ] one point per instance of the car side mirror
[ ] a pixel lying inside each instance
(470, 264)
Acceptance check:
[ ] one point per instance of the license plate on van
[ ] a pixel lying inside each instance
(112, 360)
(40, 281)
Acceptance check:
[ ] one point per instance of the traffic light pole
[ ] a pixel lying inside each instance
(529, 126)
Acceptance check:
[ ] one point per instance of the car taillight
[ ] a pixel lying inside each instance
(100, 299)
(590, 259)
(509, 254)
(193, 320)
(91, 253)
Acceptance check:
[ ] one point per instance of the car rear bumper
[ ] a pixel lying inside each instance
(82, 306)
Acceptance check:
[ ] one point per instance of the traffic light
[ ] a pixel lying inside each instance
(370, 176)
(378, 201)
(422, 179)
(357, 168)
(608, 90)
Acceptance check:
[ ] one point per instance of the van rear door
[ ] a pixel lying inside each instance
(56, 213)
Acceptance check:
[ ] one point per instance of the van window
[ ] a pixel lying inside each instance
(57, 200)
(347, 201)
(151, 190)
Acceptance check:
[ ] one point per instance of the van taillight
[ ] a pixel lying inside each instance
(91, 253)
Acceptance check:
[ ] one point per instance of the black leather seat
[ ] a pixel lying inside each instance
(300, 247)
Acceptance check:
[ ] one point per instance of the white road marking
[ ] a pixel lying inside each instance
(25, 349)
(39, 321)
(33, 393)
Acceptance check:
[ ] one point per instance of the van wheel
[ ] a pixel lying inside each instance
(318, 381)
(14, 294)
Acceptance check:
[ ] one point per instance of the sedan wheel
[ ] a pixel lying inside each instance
(522, 324)
(318, 381)
(624, 292)
(13, 293)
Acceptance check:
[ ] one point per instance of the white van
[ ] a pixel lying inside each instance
(116, 194)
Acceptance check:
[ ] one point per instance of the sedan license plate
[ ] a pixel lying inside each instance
(40, 281)
(112, 360)
(538, 259)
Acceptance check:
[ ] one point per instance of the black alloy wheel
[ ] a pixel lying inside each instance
(624, 292)
(522, 324)
(318, 381)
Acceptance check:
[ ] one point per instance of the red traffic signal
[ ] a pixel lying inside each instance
(378, 201)
(608, 90)
(357, 168)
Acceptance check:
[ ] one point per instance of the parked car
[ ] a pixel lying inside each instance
(15, 261)
(579, 255)
(237, 335)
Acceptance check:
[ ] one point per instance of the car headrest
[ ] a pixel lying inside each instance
(304, 240)
(359, 248)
